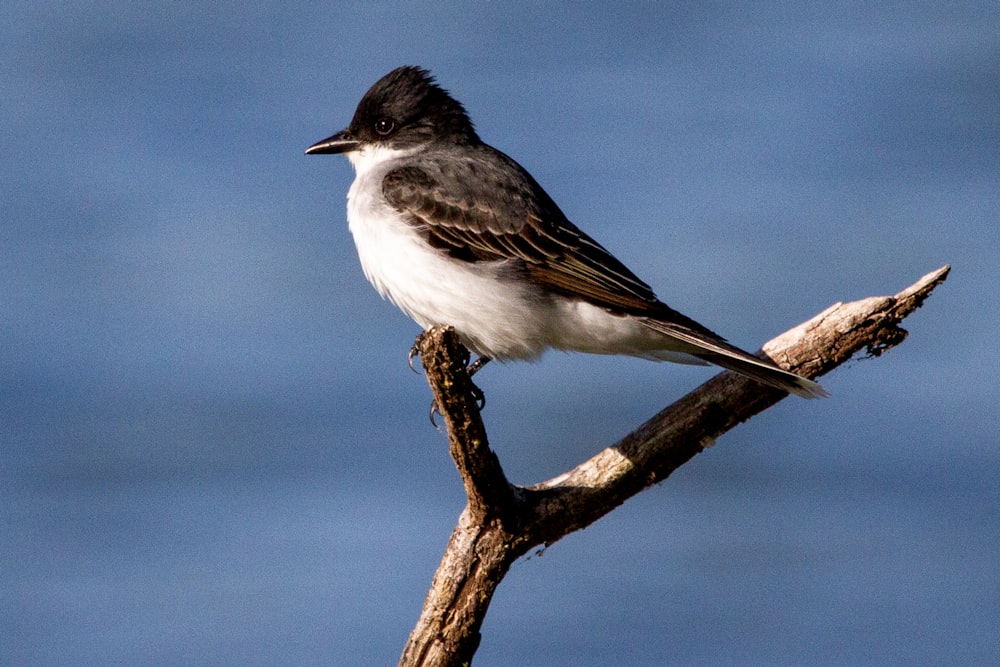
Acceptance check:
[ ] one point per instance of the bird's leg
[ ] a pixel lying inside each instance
(477, 394)
(474, 367)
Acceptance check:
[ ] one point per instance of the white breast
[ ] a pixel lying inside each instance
(498, 319)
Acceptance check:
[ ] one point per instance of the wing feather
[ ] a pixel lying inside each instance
(483, 206)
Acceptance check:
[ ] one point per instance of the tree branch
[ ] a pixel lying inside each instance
(502, 522)
(445, 360)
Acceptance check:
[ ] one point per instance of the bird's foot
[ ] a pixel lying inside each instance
(415, 350)
(477, 394)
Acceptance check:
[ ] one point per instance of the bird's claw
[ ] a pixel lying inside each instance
(477, 395)
(415, 351)
(435, 411)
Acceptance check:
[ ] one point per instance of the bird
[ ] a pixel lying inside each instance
(455, 232)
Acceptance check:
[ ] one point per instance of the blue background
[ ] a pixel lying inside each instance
(213, 451)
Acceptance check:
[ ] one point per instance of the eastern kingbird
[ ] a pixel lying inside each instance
(454, 232)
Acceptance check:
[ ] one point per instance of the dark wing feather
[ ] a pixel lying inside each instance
(483, 206)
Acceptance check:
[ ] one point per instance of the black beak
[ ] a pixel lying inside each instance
(338, 143)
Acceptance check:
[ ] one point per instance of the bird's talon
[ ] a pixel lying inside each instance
(415, 350)
(435, 411)
(477, 395)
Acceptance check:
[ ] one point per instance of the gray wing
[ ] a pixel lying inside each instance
(483, 206)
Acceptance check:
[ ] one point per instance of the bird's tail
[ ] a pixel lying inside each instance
(717, 351)
(766, 373)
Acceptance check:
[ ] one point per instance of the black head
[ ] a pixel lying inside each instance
(404, 108)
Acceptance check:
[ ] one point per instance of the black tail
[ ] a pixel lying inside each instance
(717, 351)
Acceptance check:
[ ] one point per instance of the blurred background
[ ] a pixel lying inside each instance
(212, 450)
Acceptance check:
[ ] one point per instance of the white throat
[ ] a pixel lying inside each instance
(374, 156)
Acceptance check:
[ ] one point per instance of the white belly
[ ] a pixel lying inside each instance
(499, 320)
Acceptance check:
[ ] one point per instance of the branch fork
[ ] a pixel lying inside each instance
(502, 522)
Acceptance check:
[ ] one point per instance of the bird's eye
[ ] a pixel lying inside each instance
(384, 126)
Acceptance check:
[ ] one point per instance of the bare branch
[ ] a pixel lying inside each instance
(445, 360)
(503, 522)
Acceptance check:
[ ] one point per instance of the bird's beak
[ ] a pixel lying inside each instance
(338, 143)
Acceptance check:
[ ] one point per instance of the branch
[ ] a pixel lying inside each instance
(445, 360)
(503, 522)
